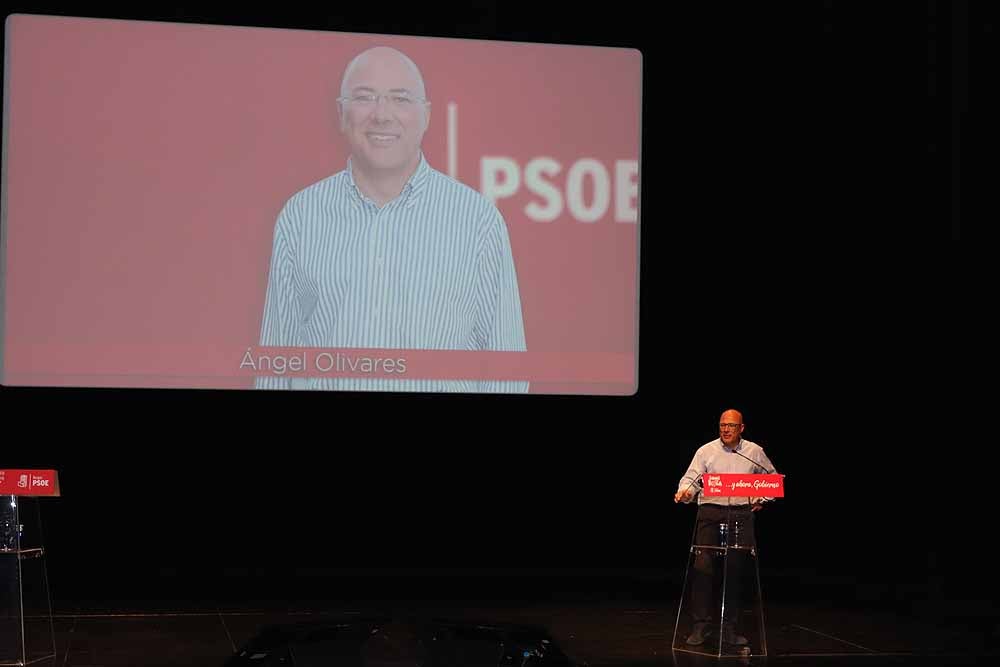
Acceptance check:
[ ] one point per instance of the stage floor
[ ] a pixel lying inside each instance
(590, 632)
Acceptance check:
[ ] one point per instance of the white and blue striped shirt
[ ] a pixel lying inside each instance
(430, 270)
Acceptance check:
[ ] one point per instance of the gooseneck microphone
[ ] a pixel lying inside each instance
(769, 472)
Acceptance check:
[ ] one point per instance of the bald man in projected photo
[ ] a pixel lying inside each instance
(390, 253)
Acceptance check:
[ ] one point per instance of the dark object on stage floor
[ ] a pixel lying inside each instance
(395, 643)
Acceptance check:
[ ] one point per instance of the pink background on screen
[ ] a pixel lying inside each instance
(147, 163)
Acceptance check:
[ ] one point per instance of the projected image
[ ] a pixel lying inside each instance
(390, 253)
(199, 206)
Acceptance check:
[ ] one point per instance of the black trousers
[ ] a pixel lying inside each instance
(706, 576)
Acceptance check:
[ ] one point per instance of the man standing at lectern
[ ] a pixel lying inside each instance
(730, 453)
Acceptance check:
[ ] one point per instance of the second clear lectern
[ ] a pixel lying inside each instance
(27, 635)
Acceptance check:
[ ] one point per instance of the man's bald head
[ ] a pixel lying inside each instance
(730, 427)
(382, 57)
(731, 417)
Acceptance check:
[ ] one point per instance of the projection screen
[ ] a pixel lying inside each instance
(204, 206)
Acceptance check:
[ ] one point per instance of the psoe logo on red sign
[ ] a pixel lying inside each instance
(713, 484)
(39, 481)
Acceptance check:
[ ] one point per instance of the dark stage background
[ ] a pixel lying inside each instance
(801, 261)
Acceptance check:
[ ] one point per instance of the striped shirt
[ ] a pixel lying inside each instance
(430, 270)
(714, 457)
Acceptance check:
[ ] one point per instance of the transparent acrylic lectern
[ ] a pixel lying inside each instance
(27, 635)
(721, 610)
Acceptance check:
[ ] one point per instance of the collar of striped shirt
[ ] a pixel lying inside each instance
(411, 191)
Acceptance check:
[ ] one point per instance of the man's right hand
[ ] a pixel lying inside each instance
(683, 496)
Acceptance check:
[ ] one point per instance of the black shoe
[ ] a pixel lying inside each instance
(730, 637)
(698, 635)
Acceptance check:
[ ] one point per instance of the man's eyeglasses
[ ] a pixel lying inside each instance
(400, 101)
(734, 426)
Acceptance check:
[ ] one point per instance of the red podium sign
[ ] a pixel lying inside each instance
(735, 484)
(29, 482)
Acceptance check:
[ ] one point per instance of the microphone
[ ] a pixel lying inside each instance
(769, 472)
